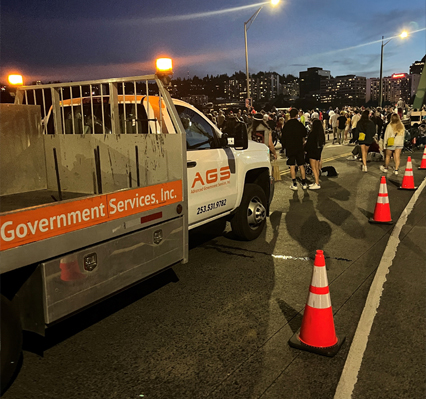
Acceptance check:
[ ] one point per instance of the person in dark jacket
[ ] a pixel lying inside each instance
(366, 132)
(313, 148)
(293, 139)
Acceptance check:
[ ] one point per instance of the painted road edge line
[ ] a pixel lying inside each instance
(353, 362)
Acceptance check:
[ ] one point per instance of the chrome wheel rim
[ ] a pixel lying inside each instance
(256, 213)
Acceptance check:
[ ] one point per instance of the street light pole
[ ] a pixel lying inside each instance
(246, 26)
(381, 77)
(403, 35)
(381, 73)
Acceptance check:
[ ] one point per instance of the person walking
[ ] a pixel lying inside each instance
(393, 142)
(325, 118)
(293, 138)
(366, 132)
(341, 125)
(347, 127)
(382, 134)
(354, 122)
(334, 123)
(313, 148)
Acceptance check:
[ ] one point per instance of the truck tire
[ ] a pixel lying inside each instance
(11, 342)
(250, 217)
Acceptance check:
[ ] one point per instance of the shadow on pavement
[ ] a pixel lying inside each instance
(335, 213)
(306, 228)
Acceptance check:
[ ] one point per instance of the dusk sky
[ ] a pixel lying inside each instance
(51, 40)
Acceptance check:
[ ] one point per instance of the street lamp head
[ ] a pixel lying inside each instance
(403, 35)
(275, 2)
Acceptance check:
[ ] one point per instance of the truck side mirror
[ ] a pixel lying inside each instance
(241, 136)
(224, 140)
(236, 132)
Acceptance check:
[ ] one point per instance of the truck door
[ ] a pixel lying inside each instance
(212, 178)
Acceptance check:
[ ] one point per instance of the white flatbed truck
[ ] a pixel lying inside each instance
(101, 181)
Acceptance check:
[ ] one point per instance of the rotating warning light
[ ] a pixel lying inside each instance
(15, 80)
(164, 70)
(164, 66)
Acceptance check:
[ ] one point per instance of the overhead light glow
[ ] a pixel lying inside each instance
(403, 35)
(275, 2)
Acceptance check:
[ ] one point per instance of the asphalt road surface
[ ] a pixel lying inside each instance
(218, 327)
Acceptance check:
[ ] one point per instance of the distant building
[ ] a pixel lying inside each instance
(196, 99)
(264, 86)
(290, 90)
(310, 80)
(399, 85)
(417, 67)
(344, 90)
(235, 88)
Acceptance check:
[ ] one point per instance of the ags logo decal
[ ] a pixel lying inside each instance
(212, 176)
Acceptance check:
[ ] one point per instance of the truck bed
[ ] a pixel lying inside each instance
(13, 202)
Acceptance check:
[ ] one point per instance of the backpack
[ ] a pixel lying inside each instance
(329, 171)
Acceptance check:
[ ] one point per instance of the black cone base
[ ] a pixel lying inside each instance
(329, 351)
(371, 220)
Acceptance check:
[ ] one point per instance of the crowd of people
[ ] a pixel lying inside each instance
(382, 131)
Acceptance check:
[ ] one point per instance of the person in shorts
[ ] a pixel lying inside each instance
(341, 126)
(396, 130)
(366, 130)
(293, 139)
(313, 148)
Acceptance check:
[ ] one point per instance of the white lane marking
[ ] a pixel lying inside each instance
(286, 257)
(352, 366)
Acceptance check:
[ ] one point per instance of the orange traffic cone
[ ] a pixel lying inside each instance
(408, 179)
(70, 270)
(382, 212)
(317, 333)
(423, 164)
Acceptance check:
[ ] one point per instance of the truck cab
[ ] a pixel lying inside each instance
(220, 164)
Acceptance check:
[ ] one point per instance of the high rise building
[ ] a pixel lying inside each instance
(399, 85)
(290, 90)
(417, 67)
(265, 86)
(343, 90)
(310, 80)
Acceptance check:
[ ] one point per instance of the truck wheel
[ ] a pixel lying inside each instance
(250, 218)
(11, 342)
